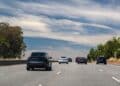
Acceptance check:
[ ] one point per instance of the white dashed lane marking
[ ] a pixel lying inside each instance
(100, 70)
(58, 73)
(40, 85)
(117, 80)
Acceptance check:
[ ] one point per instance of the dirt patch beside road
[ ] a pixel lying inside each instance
(114, 61)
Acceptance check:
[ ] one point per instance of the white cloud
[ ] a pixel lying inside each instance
(92, 10)
(86, 40)
(30, 23)
(79, 25)
(33, 24)
(58, 52)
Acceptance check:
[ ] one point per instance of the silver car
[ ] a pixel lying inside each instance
(63, 60)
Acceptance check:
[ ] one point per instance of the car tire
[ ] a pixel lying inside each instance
(105, 63)
(28, 69)
(48, 68)
(32, 69)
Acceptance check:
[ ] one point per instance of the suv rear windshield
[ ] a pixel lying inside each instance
(36, 54)
(101, 58)
(37, 59)
(63, 57)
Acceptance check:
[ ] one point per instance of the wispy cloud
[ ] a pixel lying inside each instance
(86, 22)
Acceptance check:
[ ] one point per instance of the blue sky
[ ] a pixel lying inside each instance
(63, 27)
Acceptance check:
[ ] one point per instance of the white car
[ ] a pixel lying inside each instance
(63, 60)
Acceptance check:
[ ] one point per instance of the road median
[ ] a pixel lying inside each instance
(11, 62)
(16, 62)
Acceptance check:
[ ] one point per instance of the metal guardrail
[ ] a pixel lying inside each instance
(15, 62)
(12, 62)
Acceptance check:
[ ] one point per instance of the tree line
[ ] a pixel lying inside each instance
(110, 49)
(11, 41)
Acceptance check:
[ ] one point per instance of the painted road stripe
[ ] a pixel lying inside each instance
(117, 80)
(58, 73)
(40, 85)
(100, 70)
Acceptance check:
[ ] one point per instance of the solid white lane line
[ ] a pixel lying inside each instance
(117, 80)
(58, 73)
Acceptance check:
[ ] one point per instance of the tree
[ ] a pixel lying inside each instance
(11, 41)
(111, 47)
(108, 49)
(91, 55)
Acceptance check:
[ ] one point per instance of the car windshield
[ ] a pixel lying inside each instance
(82, 58)
(101, 58)
(63, 57)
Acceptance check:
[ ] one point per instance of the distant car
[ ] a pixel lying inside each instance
(81, 60)
(39, 60)
(101, 60)
(70, 59)
(63, 60)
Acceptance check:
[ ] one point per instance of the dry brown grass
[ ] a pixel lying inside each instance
(114, 61)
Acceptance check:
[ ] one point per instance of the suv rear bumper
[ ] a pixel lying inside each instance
(36, 65)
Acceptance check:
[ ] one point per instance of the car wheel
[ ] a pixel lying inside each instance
(28, 68)
(32, 68)
(48, 68)
(105, 63)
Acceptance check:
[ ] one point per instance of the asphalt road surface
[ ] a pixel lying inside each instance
(62, 75)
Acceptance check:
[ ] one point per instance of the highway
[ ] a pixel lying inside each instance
(71, 74)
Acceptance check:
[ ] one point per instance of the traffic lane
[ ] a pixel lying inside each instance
(112, 70)
(82, 75)
(109, 68)
(62, 75)
(10, 70)
(18, 76)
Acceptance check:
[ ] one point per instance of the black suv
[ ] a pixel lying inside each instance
(101, 60)
(81, 60)
(70, 59)
(39, 60)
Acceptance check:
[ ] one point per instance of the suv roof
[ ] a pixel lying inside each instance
(101, 57)
(37, 59)
(63, 57)
(36, 54)
(81, 57)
